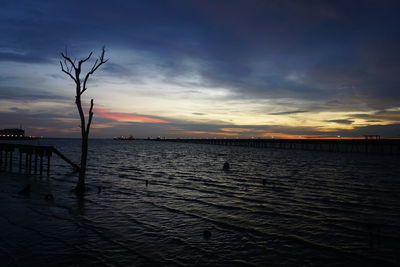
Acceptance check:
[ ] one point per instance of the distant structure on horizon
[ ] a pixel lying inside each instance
(130, 137)
(13, 133)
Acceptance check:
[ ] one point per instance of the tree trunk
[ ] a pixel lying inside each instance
(81, 186)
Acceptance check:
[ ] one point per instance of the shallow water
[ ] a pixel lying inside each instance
(273, 207)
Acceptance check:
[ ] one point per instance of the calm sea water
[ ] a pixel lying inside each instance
(273, 207)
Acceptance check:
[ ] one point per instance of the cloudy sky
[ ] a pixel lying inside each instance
(218, 68)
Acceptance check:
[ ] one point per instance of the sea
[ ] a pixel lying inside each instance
(157, 203)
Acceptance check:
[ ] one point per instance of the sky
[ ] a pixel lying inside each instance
(204, 69)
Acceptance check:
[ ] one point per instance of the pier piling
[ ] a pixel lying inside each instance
(26, 162)
(5, 159)
(33, 156)
(48, 153)
(36, 155)
(41, 163)
(20, 160)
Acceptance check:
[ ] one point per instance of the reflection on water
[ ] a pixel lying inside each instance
(155, 203)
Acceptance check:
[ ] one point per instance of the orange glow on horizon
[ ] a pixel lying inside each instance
(101, 126)
(241, 130)
(209, 133)
(270, 135)
(297, 136)
(108, 114)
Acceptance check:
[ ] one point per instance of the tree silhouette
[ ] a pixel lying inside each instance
(73, 69)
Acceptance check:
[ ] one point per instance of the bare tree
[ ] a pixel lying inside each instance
(73, 70)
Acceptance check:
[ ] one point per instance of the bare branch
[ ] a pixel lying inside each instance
(83, 60)
(95, 63)
(86, 59)
(90, 117)
(69, 60)
(67, 71)
(66, 65)
(100, 61)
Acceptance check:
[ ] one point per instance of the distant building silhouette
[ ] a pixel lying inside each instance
(372, 137)
(12, 133)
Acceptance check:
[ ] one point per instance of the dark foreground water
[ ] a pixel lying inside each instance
(274, 207)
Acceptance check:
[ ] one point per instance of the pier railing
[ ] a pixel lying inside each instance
(33, 159)
(372, 146)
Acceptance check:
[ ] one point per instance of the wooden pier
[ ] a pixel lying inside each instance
(370, 146)
(31, 159)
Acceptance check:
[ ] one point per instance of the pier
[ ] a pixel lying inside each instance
(30, 158)
(367, 145)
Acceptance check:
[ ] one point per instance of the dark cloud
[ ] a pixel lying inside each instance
(382, 115)
(37, 124)
(231, 44)
(391, 130)
(117, 69)
(22, 58)
(198, 113)
(288, 112)
(342, 54)
(19, 110)
(28, 94)
(341, 121)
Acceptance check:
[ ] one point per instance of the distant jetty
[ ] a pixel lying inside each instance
(368, 145)
(130, 137)
(14, 134)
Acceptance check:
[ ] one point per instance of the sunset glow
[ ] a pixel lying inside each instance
(108, 114)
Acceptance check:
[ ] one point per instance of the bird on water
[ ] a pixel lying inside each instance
(226, 166)
(26, 191)
(206, 234)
